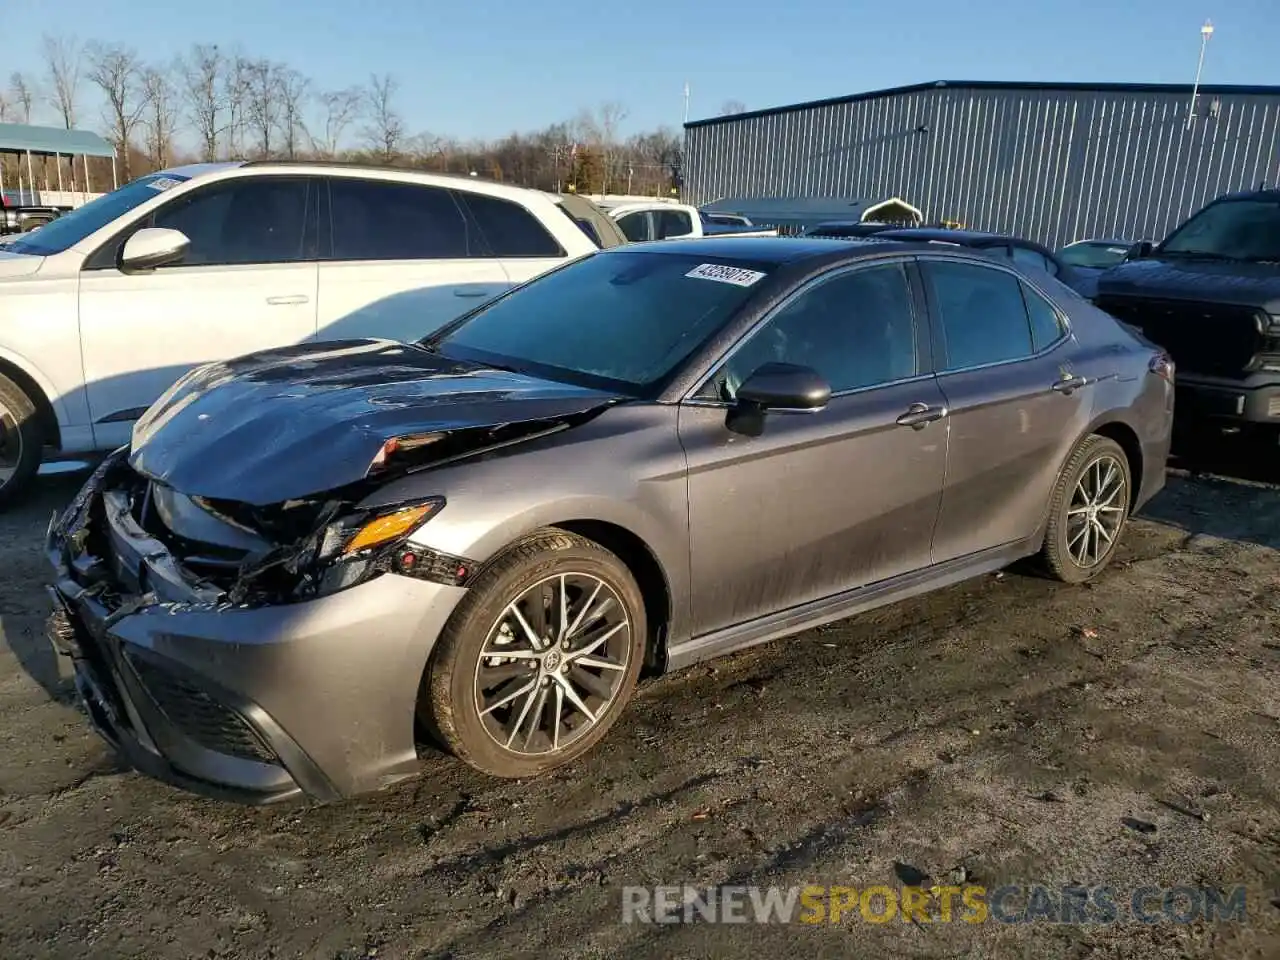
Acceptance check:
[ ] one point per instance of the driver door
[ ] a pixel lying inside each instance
(817, 503)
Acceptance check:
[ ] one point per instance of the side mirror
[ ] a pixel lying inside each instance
(784, 386)
(1139, 250)
(153, 247)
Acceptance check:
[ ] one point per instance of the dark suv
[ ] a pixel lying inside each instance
(1210, 295)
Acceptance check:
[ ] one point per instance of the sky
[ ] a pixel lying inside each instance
(485, 68)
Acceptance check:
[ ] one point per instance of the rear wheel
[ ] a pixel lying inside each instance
(21, 440)
(1088, 512)
(539, 659)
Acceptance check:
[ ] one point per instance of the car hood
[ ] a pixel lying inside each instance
(14, 265)
(291, 423)
(1221, 281)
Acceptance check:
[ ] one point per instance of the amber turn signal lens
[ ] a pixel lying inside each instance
(390, 527)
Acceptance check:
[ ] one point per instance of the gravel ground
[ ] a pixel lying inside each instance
(1009, 730)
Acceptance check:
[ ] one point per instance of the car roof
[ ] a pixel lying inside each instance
(1266, 193)
(778, 250)
(963, 237)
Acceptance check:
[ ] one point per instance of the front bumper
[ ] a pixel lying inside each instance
(254, 704)
(1255, 400)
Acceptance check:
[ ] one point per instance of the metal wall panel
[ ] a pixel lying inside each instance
(1050, 164)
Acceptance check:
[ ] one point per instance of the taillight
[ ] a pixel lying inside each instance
(1162, 366)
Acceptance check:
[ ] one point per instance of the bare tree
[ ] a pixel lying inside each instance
(385, 130)
(23, 96)
(64, 66)
(6, 108)
(161, 118)
(262, 102)
(201, 75)
(115, 70)
(236, 83)
(599, 128)
(341, 108)
(730, 107)
(291, 88)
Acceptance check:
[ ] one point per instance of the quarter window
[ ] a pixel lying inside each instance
(856, 330)
(1046, 326)
(982, 313)
(509, 230)
(383, 220)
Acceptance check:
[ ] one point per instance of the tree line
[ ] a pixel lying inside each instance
(214, 103)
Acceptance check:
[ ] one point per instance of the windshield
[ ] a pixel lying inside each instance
(1098, 255)
(1230, 229)
(623, 320)
(70, 228)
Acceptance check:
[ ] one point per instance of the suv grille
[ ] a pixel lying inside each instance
(1210, 338)
(200, 717)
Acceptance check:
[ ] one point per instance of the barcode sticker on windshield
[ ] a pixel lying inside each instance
(738, 276)
(163, 183)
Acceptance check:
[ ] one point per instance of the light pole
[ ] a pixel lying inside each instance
(1205, 33)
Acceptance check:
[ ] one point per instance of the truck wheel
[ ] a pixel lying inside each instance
(21, 440)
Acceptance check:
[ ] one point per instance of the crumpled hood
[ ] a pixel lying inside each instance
(14, 265)
(294, 422)
(1220, 281)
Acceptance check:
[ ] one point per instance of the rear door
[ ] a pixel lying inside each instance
(1004, 357)
(402, 260)
(247, 282)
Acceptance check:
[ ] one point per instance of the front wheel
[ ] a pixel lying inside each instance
(21, 440)
(539, 659)
(1089, 509)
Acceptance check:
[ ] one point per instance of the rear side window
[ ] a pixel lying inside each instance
(1025, 257)
(509, 230)
(382, 220)
(673, 223)
(983, 316)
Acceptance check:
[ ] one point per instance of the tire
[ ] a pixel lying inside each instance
(1065, 555)
(21, 441)
(467, 702)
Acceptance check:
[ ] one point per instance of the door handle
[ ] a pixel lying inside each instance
(287, 301)
(471, 292)
(1069, 384)
(920, 415)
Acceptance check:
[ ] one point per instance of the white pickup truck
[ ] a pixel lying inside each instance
(102, 309)
(661, 220)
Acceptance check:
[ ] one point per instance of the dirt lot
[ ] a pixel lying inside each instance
(1125, 734)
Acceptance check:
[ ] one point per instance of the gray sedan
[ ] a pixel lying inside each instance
(311, 561)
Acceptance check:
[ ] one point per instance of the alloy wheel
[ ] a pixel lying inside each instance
(1096, 512)
(10, 444)
(553, 663)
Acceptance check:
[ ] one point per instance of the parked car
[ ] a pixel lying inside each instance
(725, 219)
(1095, 254)
(1210, 294)
(653, 455)
(102, 309)
(1026, 253)
(642, 222)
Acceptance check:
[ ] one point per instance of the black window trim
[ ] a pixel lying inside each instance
(919, 318)
(938, 338)
(310, 228)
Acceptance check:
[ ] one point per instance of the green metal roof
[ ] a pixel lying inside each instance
(18, 137)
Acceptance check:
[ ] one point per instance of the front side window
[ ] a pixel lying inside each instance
(245, 220)
(981, 311)
(509, 230)
(635, 226)
(856, 330)
(385, 220)
(673, 223)
(1230, 230)
(623, 320)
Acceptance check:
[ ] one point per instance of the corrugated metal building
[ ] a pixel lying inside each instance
(1050, 162)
